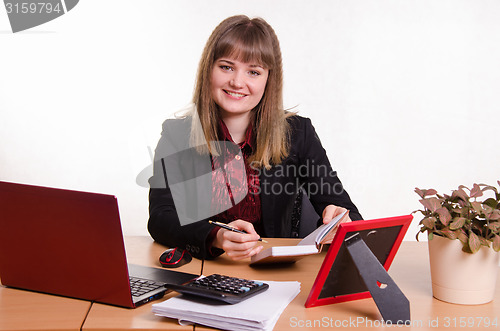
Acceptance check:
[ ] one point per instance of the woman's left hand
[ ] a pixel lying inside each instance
(331, 211)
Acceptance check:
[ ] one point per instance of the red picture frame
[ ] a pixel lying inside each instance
(389, 233)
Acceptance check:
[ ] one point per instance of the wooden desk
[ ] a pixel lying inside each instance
(142, 251)
(410, 270)
(25, 310)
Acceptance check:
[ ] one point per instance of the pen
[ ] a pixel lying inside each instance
(230, 228)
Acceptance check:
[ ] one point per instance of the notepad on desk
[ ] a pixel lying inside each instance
(260, 312)
(309, 245)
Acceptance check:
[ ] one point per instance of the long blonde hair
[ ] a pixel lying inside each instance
(248, 40)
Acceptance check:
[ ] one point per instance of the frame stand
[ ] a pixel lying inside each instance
(390, 301)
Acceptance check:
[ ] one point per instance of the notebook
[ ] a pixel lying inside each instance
(70, 243)
(312, 244)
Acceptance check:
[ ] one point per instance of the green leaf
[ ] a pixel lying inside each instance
(488, 188)
(419, 192)
(487, 210)
(424, 212)
(474, 242)
(431, 235)
(429, 222)
(458, 210)
(424, 193)
(431, 203)
(484, 242)
(496, 243)
(495, 215)
(476, 191)
(460, 193)
(430, 191)
(416, 236)
(461, 187)
(490, 202)
(494, 226)
(466, 249)
(457, 223)
(444, 215)
(449, 233)
(463, 237)
(477, 206)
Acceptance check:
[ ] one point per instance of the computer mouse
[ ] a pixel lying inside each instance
(174, 258)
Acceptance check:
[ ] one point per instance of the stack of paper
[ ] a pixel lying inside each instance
(260, 312)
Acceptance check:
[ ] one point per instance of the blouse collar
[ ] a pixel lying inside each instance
(249, 135)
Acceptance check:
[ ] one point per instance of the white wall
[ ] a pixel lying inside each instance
(402, 93)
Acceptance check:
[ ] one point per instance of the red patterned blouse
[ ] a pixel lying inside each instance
(235, 184)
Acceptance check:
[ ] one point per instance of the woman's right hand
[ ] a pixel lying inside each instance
(238, 246)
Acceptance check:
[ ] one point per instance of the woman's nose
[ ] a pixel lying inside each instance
(236, 81)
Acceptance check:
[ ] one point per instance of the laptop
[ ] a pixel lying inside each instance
(70, 243)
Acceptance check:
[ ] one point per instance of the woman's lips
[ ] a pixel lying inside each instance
(235, 94)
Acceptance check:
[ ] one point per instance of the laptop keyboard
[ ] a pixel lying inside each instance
(140, 286)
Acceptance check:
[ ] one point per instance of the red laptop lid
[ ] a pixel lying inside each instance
(63, 242)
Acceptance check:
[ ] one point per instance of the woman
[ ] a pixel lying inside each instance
(259, 155)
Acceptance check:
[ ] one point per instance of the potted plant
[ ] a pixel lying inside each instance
(464, 241)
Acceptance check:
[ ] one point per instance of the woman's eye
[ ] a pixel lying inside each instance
(254, 73)
(224, 67)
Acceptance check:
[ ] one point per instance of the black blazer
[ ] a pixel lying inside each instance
(307, 166)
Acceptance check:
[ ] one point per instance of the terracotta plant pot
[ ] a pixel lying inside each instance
(460, 277)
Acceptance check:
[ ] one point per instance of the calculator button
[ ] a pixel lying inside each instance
(224, 288)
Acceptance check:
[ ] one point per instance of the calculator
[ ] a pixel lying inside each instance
(222, 288)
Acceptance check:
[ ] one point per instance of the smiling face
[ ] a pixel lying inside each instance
(237, 87)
